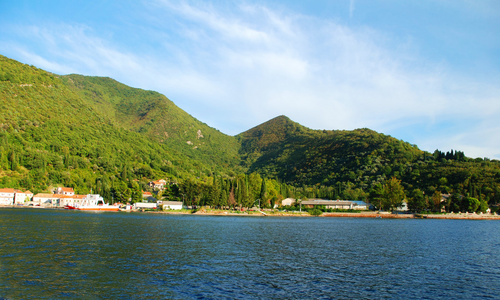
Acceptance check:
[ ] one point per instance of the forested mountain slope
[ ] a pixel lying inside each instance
(53, 133)
(353, 164)
(155, 116)
(283, 148)
(96, 133)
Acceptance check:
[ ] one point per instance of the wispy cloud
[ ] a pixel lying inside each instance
(76, 48)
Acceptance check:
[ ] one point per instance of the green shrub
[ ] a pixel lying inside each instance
(315, 212)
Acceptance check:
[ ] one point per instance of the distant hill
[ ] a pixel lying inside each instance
(336, 163)
(288, 150)
(96, 133)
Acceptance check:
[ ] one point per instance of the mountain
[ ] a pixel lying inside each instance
(285, 149)
(96, 133)
(153, 115)
(73, 130)
(350, 164)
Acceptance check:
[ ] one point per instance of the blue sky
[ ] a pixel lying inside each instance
(426, 72)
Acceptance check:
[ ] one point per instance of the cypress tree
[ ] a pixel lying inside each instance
(13, 161)
(263, 191)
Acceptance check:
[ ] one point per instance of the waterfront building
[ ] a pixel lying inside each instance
(7, 196)
(148, 197)
(45, 199)
(65, 191)
(22, 197)
(71, 200)
(145, 205)
(172, 205)
(360, 205)
(330, 204)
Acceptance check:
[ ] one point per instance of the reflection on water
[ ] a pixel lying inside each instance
(63, 254)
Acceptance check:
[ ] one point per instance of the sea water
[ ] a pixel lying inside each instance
(54, 254)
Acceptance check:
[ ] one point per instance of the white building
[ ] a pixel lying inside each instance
(335, 204)
(7, 196)
(65, 191)
(288, 202)
(71, 200)
(43, 199)
(159, 184)
(22, 197)
(360, 205)
(145, 205)
(403, 207)
(172, 205)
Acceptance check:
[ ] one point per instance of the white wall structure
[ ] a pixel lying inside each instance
(172, 205)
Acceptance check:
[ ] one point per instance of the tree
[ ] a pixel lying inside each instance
(191, 190)
(263, 191)
(246, 200)
(454, 203)
(469, 204)
(436, 201)
(226, 187)
(393, 194)
(231, 201)
(13, 161)
(254, 186)
(215, 193)
(483, 206)
(121, 192)
(136, 193)
(416, 202)
(172, 193)
(377, 195)
(125, 173)
(352, 193)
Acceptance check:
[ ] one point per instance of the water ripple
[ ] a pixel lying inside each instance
(49, 254)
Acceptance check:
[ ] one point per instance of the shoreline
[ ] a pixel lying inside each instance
(376, 215)
(368, 214)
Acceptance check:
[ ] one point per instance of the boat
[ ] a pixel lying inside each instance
(93, 202)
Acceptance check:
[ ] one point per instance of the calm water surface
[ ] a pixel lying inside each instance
(55, 254)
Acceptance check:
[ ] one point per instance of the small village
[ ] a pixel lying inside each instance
(63, 197)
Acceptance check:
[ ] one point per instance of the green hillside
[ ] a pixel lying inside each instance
(155, 116)
(283, 148)
(96, 133)
(354, 164)
(52, 134)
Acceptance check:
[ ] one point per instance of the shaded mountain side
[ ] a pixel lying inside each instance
(360, 159)
(283, 148)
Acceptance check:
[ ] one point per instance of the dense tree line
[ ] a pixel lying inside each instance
(241, 191)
